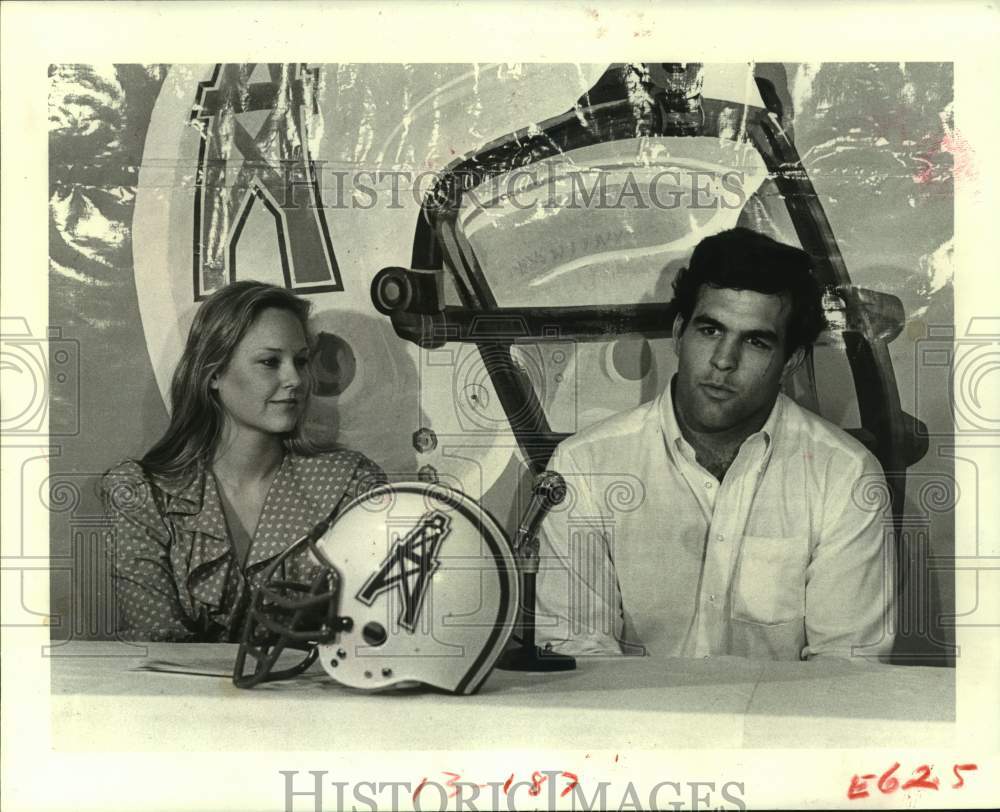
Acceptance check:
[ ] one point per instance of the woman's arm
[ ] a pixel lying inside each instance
(147, 605)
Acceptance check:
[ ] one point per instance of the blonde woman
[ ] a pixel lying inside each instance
(231, 483)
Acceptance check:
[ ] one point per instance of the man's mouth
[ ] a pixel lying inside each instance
(718, 391)
(287, 402)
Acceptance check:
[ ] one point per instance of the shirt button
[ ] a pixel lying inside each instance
(708, 486)
(711, 598)
(719, 537)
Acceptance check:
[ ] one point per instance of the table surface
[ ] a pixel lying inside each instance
(105, 697)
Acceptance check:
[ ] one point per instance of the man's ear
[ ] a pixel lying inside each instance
(676, 330)
(793, 363)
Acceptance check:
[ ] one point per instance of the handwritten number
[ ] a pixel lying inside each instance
(573, 781)
(920, 778)
(887, 782)
(507, 783)
(420, 786)
(537, 779)
(452, 782)
(957, 767)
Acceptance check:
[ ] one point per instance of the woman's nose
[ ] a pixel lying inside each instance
(291, 377)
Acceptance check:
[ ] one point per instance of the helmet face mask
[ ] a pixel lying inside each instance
(411, 583)
(287, 615)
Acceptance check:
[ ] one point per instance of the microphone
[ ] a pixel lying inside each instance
(548, 491)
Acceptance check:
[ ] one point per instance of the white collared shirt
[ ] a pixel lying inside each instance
(789, 557)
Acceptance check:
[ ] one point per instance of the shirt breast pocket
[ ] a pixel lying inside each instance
(770, 586)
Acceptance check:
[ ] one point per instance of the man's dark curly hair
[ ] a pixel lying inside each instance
(742, 259)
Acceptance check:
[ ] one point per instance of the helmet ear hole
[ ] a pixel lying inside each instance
(374, 634)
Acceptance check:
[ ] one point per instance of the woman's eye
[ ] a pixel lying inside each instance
(269, 362)
(301, 362)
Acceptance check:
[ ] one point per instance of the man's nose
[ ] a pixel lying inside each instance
(726, 355)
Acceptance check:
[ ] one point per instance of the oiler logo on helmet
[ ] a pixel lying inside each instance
(409, 566)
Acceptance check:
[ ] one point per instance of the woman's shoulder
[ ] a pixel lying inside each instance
(341, 461)
(340, 470)
(127, 488)
(124, 473)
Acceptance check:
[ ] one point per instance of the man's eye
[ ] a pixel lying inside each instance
(759, 343)
(708, 330)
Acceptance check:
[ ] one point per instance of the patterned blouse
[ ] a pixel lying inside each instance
(176, 572)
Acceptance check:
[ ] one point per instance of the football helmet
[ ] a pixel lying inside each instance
(412, 583)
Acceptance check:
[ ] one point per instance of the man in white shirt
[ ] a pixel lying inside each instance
(722, 517)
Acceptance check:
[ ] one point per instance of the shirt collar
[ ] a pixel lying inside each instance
(196, 499)
(668, 421)
(676, 444)
(292, 509)
(279, 527)
(197, 502)
(185, 495)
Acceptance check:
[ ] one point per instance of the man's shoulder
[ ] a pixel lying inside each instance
(807, 431)
(613, 431)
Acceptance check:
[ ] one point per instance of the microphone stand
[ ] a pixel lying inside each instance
(549, 490)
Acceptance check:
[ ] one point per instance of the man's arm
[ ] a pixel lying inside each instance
(850, 580)
(579, 606)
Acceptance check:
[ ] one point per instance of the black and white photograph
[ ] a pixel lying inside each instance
(399, 413)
